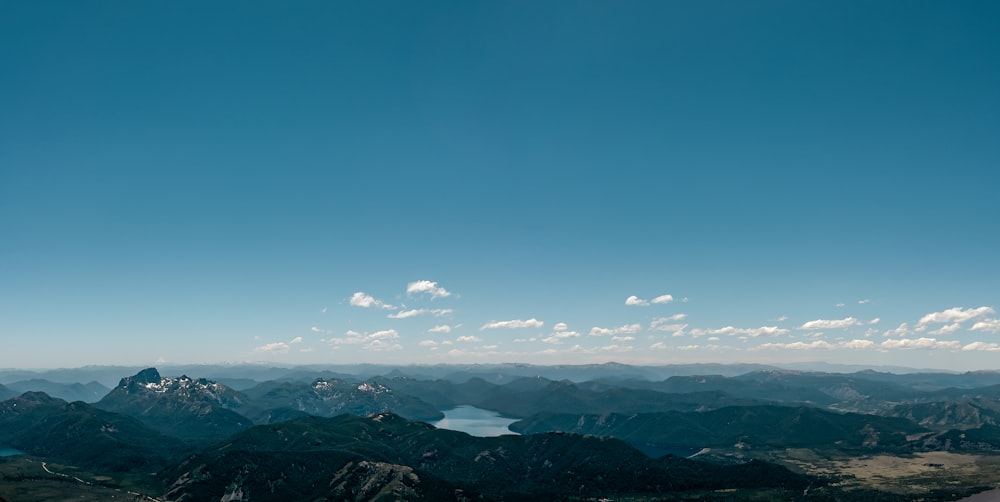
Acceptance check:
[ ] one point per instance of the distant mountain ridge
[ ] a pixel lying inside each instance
(495, 373)
(90, 392)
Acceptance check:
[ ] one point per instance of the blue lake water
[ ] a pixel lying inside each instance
(475, 421)
(9, 452)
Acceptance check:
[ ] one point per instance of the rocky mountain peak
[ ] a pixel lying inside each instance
(142, 378)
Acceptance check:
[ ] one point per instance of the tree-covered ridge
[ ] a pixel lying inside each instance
(737, 427)
(507, 467)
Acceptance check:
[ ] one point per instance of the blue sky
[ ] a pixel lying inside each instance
(198, 182)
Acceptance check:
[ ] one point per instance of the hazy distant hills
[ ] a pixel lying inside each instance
(90, 392)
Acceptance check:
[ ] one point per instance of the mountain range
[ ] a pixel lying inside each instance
(338, 436)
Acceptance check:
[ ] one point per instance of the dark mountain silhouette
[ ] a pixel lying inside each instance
(737, 426)
(6, 393)
(79, 433)
(540, 467)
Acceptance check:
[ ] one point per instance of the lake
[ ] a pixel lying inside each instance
(475, 421)
(9, 452)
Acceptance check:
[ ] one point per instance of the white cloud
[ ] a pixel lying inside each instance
(297, 339)
(732, 331)
(377, 341)
(635, 301)
(857, 344)
(623, 338)
(428, 287)
(919, 343)
(628, 329)
(862, 302)
(360, 299)
(991, 347)
(662, 299)
(553, 351)
(443, 328)
(428, 343)
(273, 347)
(468, 339)
(316, 329)
(815, 344)
(403, 314)
(844, 323)
(820, 344)
(902, 330)
(947, 329)
(663, 320)
(987, 325)
(839, 305)
(658, 345)
(559, 336)
(952, 315)
(513, 324)
(669, 324)
(781, 318)
(674, 329)
(560, 326)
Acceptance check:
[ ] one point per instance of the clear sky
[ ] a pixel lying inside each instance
(500, 181)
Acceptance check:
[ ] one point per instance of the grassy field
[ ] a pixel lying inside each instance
(25, 479)
(916, 474)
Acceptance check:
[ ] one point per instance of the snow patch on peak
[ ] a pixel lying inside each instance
(373, 388)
